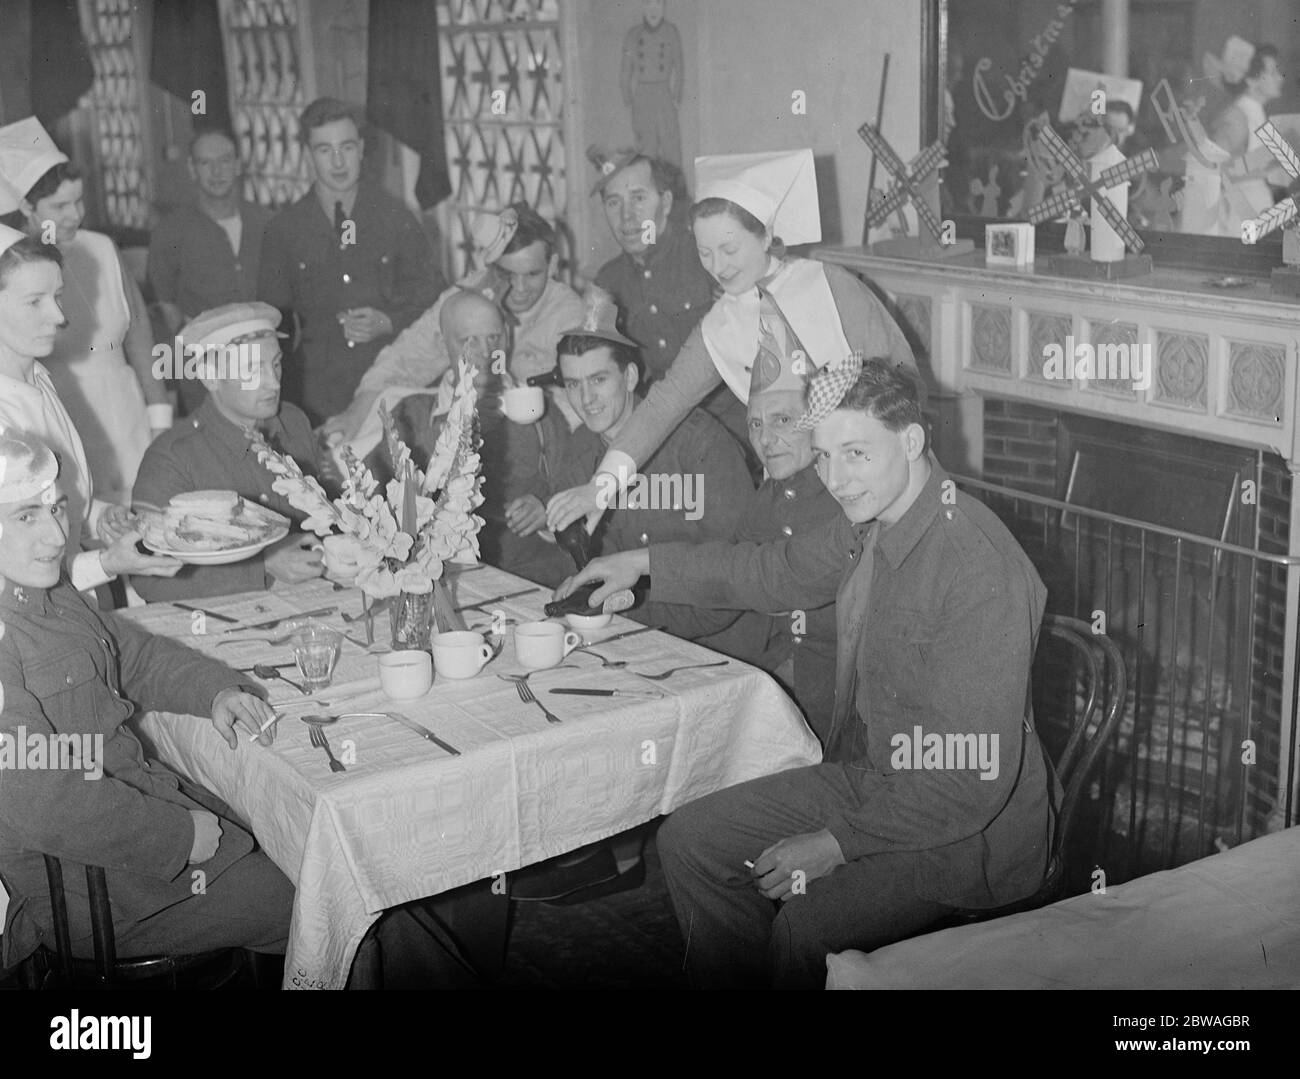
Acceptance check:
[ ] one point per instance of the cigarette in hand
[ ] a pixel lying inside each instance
(265, 727)
(749, 864)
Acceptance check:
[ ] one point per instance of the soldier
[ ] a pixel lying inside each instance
(211, 450)
(348, 259)
(652, 83)
(69, 672)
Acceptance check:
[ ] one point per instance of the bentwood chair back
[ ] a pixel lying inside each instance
(204, 970)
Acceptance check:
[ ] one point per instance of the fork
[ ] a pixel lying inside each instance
(526, 694)
(606, 664)
(521, 678)
(673, 670)
(319, 740)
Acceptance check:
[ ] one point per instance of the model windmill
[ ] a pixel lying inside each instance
(1112, 235)
(1283, 215)
(918, 183)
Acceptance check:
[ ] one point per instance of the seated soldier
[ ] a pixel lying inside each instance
(934, 791)
(693, 488)
(211, 450)
(73, 677)
(800, 648)
(514, 457)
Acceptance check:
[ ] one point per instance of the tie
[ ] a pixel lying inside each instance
(851, 606)
(340, 219)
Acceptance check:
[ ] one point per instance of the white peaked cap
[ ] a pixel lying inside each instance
(10, 200)
(778, 188)
(27, 153)
(9, 237)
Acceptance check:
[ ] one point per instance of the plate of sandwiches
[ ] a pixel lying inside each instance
(212, 528)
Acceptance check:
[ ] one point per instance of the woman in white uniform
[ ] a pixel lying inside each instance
(101, 362)
(31, 283)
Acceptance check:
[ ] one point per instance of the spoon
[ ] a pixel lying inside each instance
(610, 664)
(263, 671)
(318, 720)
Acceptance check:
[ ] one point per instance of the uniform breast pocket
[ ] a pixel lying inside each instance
(70, 690)
(904, 648)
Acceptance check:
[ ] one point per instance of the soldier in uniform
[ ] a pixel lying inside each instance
(212, 450)
(652, 83)
(699, 465)
(938, 611)
(349, 260)
(72, 674)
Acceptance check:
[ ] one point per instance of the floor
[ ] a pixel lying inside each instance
(625, 941)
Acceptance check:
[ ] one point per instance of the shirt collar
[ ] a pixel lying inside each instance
(17, 597)
(897, 541)
(232, 436)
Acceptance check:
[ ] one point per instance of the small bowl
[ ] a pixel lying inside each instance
(584, 622)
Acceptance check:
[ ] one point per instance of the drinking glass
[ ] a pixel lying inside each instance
(316, 650)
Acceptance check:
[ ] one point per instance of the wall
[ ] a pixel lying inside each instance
(744, 59)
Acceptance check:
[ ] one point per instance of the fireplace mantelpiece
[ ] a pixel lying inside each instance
(1223, 365)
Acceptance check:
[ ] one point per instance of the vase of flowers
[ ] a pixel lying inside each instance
(407, 533)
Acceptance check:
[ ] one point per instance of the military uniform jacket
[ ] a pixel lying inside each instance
(941, 638)
(205, 452)
(306, 270)
(192, 264)
(777, 510)
(70, 670)
(662, 299)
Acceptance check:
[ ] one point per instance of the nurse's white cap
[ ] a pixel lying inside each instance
(9, 237)
(778, 188)
(27, 153)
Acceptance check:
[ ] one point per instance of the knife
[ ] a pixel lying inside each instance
(607, 693)
(421, 731)
(495, 599)
(629, 633)
(271, 623)
(210, 614)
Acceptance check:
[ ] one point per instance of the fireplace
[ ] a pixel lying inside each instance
(1163, 541)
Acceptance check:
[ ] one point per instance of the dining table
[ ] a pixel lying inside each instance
(503, 786)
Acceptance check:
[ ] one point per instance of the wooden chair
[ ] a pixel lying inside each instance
(224, 968)
(1105, 689)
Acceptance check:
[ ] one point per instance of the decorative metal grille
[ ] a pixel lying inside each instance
(116, 105)
(266, 74)
(503, 103)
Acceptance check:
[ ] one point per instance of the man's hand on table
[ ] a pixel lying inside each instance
(295, 559)
(617, 571)
(207, 836)
(234, 706)
(814, 854)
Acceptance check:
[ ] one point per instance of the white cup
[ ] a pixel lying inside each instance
(460, 653)
(588, 621)
(405, 674)
(524, 404)
(543, 644)
(340, 557)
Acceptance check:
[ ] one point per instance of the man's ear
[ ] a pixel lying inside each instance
(666, 201)
(631, 377)
(914, 441)
(553, 266)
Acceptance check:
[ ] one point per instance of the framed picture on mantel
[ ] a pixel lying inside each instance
(1204, 77)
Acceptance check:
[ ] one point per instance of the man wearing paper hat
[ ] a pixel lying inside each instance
(73, 677)
(746, 202)
(515, 262)
(235, 351)
(699, 462)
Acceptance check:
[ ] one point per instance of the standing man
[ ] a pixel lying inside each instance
(652, 83)
(348, 259)
(207, 255)
(660, 287)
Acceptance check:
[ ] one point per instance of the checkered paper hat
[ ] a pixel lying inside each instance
(827, 390)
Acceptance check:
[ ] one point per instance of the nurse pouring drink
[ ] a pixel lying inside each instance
(749, 207)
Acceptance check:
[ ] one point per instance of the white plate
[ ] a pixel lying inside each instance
(224, 556)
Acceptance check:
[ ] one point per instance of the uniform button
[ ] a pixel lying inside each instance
(68, 679)
(686, 306)
(262, 497)
(786, 530)
(347, 279)
(663, 343)
(948, 514)
(645, 538)
(647, 275)
(302, 265)
(352, 344)
(797, 640)
(654, 309)
(788, 492)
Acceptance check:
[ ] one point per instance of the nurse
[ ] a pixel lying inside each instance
(101, 362)
(750, 206)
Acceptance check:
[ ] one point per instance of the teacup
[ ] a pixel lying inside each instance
(340, 557)
(405, 674)
(460, 654)
(586, 622)
(543, 644)
(524, 404)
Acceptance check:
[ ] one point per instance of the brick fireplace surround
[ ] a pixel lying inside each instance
(1211, 650)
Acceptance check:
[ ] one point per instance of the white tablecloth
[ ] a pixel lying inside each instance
(1230, 921)
(408, 820)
